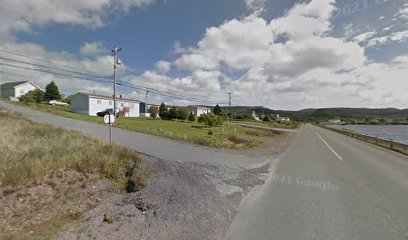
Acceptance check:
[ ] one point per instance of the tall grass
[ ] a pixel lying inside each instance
(30, 150)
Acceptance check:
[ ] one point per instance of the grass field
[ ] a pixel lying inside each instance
(228, 136)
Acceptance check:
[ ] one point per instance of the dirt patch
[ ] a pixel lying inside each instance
(180, 201)
(41, 209)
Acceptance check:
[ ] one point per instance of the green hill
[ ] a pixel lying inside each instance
(322, 114)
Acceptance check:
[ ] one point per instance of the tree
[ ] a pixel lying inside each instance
(52, 92)
(191, 117)
(153, 111)
(217, 110)
(163, 111)
(267, 118)
(211, 120)
(172, 114)
(182, 114)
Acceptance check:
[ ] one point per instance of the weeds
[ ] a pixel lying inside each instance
(32, 151)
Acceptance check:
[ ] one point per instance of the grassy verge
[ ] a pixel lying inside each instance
(31, 150)
(288, 125)
(48, 174)
(227, 136)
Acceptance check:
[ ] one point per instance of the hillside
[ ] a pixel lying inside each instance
(326, 113)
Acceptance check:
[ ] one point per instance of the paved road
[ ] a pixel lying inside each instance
(150, 145)
(265, 128)
(367, 198)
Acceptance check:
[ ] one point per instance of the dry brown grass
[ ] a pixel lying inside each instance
(32, 151)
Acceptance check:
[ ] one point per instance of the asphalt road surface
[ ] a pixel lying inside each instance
(150, 145)
(329, 186)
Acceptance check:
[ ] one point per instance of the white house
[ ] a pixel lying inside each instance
(17, 89)
(198, 110)
(91, 104)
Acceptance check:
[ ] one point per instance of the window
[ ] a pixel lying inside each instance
(22, 91)
(110, 102)
(121, 104)
(133, 106)
(99, 101)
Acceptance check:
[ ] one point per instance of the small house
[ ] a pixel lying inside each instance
(15, 90)
(91, 104)
(198, 110)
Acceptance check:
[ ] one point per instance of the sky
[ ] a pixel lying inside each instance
(281, 54)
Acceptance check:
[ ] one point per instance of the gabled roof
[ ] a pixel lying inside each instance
(106, 97)
(199, 106)
(10, 85)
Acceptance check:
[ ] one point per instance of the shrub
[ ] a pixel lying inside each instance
(217, 110)
(267, 118)
(210, 120)
(210, 133)
(182, 114)
(191, 117)
(153, 111)
(33, 96)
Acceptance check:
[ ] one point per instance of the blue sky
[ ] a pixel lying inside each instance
(284, 54)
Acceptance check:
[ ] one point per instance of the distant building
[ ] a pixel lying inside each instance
(91, 104)
(17, 89)
(335, 121)
(198, 110)
(144, 109)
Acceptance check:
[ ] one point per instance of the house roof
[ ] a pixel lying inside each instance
(199, 106)
(10, 85)
(106, 97)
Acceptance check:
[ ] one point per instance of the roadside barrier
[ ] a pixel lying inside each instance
(395, 146)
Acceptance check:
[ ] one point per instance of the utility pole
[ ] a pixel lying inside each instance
(116, 63)
(229, 108)
(147, 93)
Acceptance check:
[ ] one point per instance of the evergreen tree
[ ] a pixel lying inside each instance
(52, 92)
(217, 110)
(163, 111)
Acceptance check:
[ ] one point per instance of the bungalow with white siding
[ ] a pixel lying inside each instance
(14, 90)
(91, 104)
(198, 110)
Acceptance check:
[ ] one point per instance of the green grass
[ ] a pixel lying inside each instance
(288, 125)
(192, 132)
(31, 150)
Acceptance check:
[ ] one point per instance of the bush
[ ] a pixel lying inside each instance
(210, 120)
(217, 110)
(182, 114)
(153, 111)
(172, 113)
(33, 96)
(210, 133)
(267, 118)
(191, 117)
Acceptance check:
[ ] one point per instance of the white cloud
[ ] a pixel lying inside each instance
(194, 62)
(403, 12)
(255, 4)
(21, 15)
(163, 66)
(395, 37)
(92, 48)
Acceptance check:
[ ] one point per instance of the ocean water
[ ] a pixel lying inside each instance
(396, 133)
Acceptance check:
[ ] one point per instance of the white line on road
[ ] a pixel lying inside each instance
(331, 149)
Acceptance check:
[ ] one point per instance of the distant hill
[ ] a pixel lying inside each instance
(326, 113)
